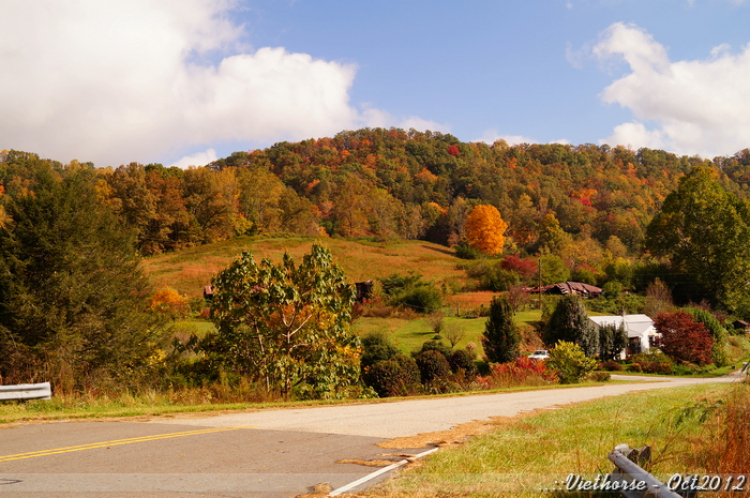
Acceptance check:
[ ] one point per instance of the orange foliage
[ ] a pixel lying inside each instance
(485, 229)
(168, 301)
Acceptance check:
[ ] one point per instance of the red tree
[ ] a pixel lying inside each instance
(453, 150)
(526, 267)
(683, 339)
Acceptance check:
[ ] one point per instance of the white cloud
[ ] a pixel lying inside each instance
(378, 118)
(197, 159)
(491, 136)
(688, 107)
(128, 80)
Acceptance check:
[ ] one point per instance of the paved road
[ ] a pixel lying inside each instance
(269, 453)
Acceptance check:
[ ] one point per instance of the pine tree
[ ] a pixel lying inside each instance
(569, 322)
(501, 338)
(72, 295)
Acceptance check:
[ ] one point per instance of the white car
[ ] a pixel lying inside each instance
(539, 354)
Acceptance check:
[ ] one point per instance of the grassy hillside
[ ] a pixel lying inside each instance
(191, 269)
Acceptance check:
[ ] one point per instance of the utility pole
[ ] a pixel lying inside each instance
(540, 283)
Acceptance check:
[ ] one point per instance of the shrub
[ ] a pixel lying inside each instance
(570, 362)
(612, 366)
(635, 367)
(377, 347)
(465, 251)
(600, 376)
(717, 332)
(432, 366)
(395, 377)
(462, 360)
(522, 371)
(423, 299)
(434, 345)
(683, 339)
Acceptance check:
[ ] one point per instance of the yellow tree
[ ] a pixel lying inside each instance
(485, 229)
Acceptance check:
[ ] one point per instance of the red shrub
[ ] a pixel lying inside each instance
(519, 372)
(683, 339)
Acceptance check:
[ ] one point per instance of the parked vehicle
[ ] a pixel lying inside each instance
(539, 354)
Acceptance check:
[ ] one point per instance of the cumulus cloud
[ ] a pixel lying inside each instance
(688, 107)
(197, 159)
(132, 80)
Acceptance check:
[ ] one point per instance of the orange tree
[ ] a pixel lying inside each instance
(287, 325)
(485, 229)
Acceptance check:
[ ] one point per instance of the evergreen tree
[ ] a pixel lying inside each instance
(72, 295)
(501, 338)
(570, 322)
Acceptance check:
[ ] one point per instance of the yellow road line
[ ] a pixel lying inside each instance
(117, 442)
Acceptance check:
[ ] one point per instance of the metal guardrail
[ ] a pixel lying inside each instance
(26, 391)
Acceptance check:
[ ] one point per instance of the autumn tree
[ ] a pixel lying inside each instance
(501, 338)
(485, 229)
(683, 338)
(287, 325)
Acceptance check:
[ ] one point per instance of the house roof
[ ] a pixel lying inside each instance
(635, 325)
(578, 288)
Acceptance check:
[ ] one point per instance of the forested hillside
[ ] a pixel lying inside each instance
(392, 183)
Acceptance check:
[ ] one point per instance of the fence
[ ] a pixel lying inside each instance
(26, 391)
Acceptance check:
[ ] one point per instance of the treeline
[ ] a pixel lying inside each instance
(393, 183)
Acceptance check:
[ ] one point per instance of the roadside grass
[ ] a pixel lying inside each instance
(196, 400)
(526, 455)
(189, 270)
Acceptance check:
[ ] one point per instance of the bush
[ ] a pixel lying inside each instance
(465, 251)
(462, 360)
(612, 366)
(600, 376)
(377, 347)
(395, 377)
(684, 339)
(432, 366)
(522, 371)
(635, 367)
(434, 345)
(423, 299)
(570, 362)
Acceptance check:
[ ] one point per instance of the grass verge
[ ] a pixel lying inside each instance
(526, 456)
(153, 404)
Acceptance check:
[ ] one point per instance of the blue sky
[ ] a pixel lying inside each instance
(183, 82)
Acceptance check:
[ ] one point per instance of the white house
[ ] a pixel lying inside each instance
(640, 328)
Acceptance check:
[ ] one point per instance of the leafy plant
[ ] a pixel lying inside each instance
(570, 362)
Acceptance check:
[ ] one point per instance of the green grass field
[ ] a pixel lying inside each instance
(409, 335)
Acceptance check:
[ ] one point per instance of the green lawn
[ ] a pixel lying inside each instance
(409, 335)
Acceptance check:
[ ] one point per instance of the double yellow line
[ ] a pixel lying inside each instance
(117, 442)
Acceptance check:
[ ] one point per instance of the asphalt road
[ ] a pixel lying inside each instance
(269, 453)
